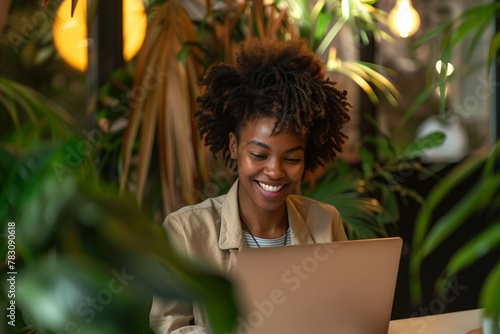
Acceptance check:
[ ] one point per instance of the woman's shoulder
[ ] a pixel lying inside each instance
(209, 206)
(307, 204)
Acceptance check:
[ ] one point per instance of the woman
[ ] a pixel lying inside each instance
(276, 117)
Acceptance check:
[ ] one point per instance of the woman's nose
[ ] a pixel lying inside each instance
(274, 169)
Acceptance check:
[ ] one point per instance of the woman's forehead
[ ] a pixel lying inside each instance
(262, 130)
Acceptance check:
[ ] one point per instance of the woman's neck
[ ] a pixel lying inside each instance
(266, 225)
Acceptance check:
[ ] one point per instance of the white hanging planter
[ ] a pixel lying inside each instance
(454, 147)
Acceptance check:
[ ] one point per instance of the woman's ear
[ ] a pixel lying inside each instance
(233, 144)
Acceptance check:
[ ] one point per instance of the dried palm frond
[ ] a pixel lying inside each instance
(163, 98)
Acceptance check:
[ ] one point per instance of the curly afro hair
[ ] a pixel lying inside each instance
(283, 80)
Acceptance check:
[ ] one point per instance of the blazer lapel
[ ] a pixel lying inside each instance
(300, 232)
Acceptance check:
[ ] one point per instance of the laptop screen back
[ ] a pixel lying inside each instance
(344, 287)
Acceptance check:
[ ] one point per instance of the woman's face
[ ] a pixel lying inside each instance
(269, 167)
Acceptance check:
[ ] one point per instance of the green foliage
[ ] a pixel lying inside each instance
(87, 257)
(468, 28)
(358, 210)
(323, 23)
(114, 96)
(481, 198)
(367, 198)
(76, 237)
(316, 24)
(46, 119)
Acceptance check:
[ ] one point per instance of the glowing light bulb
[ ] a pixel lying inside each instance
(404, 19)
(449, 67)
(70, 33)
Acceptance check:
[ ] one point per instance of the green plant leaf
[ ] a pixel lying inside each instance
(440, 191)
(493, 160)
(43, 54)
(465, 28)
(390, 205)
(359, 211)
(476, 199)
(327, 40)
(477, 37)
(306, 24)
(493, 50)
(331, 185)
(443, 77)
(490, 294)
(424, 217)
(411, 193)
(476, 248)
(9, 104)
(376, 71)
(366, 161)
(432, 34)
(359, 80)
(429, 141)
(382, 145)
(419, 101)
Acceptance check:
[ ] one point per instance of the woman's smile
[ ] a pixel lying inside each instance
(270, 190)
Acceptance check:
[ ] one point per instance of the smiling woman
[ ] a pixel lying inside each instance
(276, 116)
(270, 168)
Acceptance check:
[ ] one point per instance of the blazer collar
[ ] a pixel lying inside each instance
(231, 233)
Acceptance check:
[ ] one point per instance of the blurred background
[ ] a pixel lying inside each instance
(97, 146)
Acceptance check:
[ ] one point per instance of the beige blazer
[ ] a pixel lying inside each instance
(211, 231)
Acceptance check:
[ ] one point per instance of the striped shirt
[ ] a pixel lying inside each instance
(267, 242)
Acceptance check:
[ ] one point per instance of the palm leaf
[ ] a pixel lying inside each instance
(9, 104)
(359, 80)
(304, 18)
(259, 17)
(376, 71)
(166, 107)
(134, 118)
(327, 40)
(380, 81)
(364, 76)
(45, 116)
(358, 211)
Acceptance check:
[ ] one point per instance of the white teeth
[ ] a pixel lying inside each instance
(271, 189)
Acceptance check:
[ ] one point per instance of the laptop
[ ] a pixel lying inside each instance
(344, 287)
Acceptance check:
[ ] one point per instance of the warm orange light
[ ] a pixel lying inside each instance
(404, 19)
(70, 33)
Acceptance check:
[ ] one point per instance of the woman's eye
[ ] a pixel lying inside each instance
(293, 160)
(258, 156)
